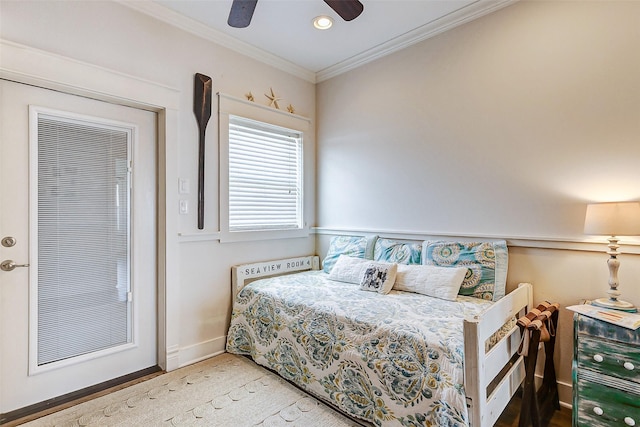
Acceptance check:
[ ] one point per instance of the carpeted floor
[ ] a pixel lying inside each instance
(226, 390)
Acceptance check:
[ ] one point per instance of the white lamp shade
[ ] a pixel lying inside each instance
(613, 219)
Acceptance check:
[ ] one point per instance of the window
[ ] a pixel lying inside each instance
(265, 176)
(261, 172)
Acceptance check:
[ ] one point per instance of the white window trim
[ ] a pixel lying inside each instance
(228, 105)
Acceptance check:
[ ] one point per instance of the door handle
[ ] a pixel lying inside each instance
(10, 265)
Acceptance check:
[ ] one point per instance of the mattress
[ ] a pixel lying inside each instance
(394, 359)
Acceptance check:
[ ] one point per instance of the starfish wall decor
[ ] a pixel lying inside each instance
(249, 97)
(273, 99)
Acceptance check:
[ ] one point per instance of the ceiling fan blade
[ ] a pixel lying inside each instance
(241, 13)
(347, 9)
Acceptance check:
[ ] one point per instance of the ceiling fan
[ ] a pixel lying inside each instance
(242, 11)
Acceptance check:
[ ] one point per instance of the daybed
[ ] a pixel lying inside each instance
(396, 358)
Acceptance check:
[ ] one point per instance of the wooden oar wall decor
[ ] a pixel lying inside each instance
(202, 109)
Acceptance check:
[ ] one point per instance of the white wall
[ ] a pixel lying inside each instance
(503, 127)
(508, 124)
(115, 37)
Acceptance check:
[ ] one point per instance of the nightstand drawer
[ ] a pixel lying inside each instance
(599, 329)
(599, 405)
(609, 358)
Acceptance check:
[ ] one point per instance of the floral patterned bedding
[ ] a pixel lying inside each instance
(394, 359)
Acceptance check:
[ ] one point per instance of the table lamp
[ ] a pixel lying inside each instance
(613, 219)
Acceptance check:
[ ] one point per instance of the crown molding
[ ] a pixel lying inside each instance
(196, 28)
(433, 28)
(447, 22)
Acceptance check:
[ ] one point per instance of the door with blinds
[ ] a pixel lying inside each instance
(78, 225)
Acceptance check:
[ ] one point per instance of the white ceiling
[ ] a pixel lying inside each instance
(281, 31)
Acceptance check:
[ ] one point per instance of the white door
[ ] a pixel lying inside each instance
(47, 352)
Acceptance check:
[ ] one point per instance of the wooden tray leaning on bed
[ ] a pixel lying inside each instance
(490, 377)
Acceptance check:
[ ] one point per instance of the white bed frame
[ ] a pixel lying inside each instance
(501, 367)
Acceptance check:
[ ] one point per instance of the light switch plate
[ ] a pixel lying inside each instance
(184, 207)
(183, 186)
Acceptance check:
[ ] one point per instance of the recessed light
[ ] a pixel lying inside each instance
(322, 22)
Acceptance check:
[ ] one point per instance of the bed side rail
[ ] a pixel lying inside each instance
(500, 366)
(243, 274)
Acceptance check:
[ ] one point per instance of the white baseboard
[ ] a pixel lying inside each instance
(565, 391)
(200, 351)
(172, 358)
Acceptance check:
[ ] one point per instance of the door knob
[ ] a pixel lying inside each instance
(9, 265)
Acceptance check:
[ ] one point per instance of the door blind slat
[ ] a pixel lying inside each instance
(83, 238)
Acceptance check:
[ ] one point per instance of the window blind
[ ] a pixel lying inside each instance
(83, 238)
(265, 176)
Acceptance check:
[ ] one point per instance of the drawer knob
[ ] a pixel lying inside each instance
(598, 358)
(629, 421)
(598, 410)
(628, 366)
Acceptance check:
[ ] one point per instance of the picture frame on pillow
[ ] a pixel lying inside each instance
(378, 277)
(368, 275)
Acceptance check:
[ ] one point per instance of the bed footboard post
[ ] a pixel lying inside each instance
(473, 369)
(492, 376)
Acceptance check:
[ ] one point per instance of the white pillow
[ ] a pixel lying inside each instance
(378, 277)
(438, 282)
(348, 269)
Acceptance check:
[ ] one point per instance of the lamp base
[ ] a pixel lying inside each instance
(615, 304)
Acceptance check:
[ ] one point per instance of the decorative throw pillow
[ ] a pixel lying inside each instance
(349, 269)
(401, 253)
(379, 277)
(486, 262)
(438, 282)
(355, 246)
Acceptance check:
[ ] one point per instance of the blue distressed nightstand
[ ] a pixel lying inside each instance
(606, 374)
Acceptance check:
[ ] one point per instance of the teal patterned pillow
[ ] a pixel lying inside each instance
(354, 246)
(401, 253)
(486, 261)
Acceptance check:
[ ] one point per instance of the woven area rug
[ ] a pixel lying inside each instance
(227, 390)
